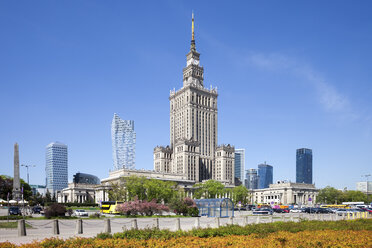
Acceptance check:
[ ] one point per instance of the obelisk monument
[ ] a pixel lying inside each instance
(16, 181)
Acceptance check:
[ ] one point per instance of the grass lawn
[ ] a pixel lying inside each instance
(11, 224)
(152, 216)
(85, 208)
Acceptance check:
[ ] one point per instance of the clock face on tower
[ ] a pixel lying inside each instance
(195, 62)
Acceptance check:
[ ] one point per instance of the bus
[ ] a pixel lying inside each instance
(335, 206)
(109, 207)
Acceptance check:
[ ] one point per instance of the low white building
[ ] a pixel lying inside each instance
(101, 191)
(77, 192)
(286, 193)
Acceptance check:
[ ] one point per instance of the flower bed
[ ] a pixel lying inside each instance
(356, 233)
(320, 238)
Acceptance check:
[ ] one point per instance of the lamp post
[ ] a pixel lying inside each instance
(28, 177)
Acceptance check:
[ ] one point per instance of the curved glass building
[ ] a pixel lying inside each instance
(86, 178)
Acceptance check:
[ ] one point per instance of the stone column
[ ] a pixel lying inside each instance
(21, 228)
(16, 181)
(107, 226)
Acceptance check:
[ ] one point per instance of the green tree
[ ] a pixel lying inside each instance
(142, 188)
(6, 186)
(118, 191)
(355, 196)
(48, 197)
(27, 191)
(208, 189)
(330, 195)
(36, 199)
(240, 194)
(135, 187)
(159, 190)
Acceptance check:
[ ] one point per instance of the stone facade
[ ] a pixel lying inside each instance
(193, 129)
(77, 192)
(286, 193)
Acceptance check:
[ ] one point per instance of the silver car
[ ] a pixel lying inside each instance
(263, 211)
(343, 211)
(80, 212)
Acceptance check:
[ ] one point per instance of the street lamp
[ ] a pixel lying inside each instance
(28, 177)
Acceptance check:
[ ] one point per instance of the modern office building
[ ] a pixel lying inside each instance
(123, 139)
(193, 149)
(251, 179)
(56, 168)
(304, 166)
(365, 187)
(86, 178)
(239, 164)
(265, 175)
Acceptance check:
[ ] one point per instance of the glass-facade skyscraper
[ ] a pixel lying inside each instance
(265, 175)
(251, 179)
(304, 166)
(123, 139)
(56, 168)
(239, 164)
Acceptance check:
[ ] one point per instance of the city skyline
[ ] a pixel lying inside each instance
(279, 73)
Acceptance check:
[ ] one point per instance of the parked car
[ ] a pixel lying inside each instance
(323, 211)
(250, 207)
(310, 210)
(80, 212)
(296, 210)
(342, 211)
(14, 211)
(369, 210)
(263, 211)
(37, 210)
(279, 210)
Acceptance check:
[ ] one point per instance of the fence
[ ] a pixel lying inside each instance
(121, 224)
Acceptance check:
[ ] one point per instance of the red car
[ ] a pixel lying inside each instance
(367, 210)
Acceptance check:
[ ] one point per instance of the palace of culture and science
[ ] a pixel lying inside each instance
(193, 154)
(193, 149)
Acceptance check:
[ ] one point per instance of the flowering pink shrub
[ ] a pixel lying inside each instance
(137, 207)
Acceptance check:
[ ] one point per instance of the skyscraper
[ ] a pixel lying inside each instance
(56, 168)
(265, 175)
(304, 166)
(123, 139)
(239, 164)
(251, 179)
(193, 149)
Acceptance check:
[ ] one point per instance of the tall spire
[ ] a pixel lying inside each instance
(192, 34)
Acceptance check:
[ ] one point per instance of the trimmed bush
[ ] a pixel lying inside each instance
(185, 206)
(55, 210)
(104, 236)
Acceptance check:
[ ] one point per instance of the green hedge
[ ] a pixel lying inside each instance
(260, 229)
(75, 204)
(12, 217)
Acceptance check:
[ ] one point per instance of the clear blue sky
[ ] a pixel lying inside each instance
(290, 74)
